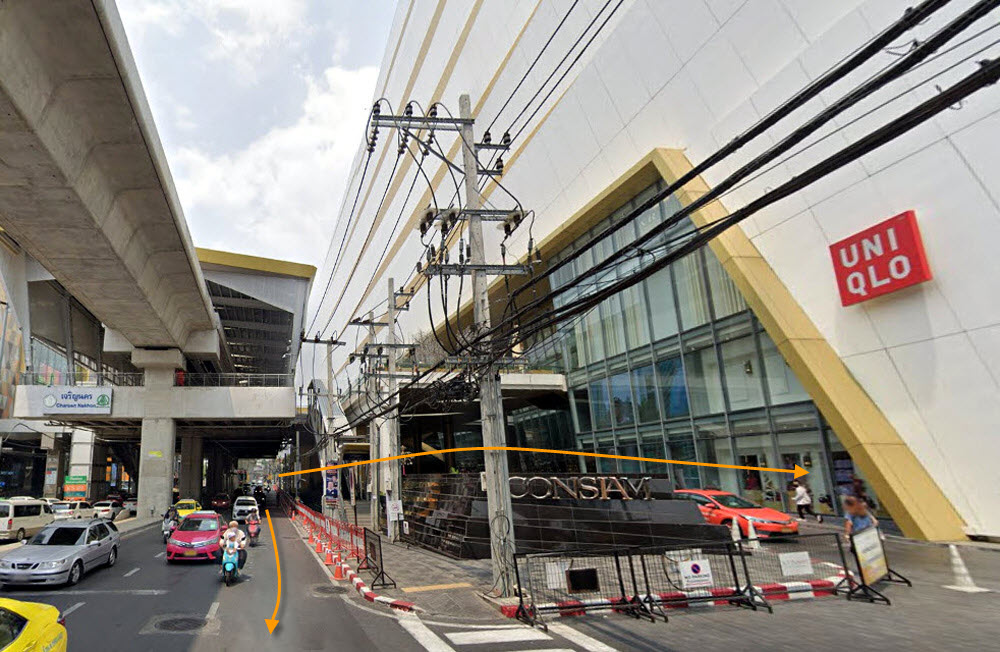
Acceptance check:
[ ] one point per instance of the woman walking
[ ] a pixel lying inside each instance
(804, 502)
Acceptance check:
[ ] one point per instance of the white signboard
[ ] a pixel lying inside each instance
(871, 556)
(394, 510)
(406, 527)
(696, 574)
(66, 399)
(795, 563)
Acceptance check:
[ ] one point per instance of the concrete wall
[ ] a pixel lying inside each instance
(692, 74)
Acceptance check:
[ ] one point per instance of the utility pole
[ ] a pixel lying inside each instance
(341, 511)
(392, 420)
(490, 399)
(374, 393)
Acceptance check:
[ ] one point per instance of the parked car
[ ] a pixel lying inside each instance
(242, 508)
(187, 506)
(23, 517)
(221, 501)
(197, 537)
(72, 509)
(130, 505)
(21, 498)
(108, 509)
(31, 626)
(722, 508)
(61, 553)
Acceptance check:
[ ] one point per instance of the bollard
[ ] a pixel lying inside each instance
(963, 580)
(734, 530)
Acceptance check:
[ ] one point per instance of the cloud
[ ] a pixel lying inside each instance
(278, 196)
(241, 32)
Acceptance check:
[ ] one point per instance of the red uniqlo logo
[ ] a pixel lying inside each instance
(882, 259)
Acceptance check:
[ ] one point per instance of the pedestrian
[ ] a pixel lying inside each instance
(857, 517)
(804, 502)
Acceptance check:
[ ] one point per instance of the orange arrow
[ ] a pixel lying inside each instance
(272, 622)
(797, 472)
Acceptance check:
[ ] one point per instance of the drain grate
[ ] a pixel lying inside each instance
(326, 590)
(181, 624)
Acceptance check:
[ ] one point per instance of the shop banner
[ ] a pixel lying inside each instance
(870, 555)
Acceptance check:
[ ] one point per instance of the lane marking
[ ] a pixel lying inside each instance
(579, 638)
(160, 554)
(214, 609)
(422, 634)
(131, 572)
(483, 636)
(436, 587)
(100, 592)
(70, 610)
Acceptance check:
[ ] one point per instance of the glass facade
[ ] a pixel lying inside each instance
(678, 367)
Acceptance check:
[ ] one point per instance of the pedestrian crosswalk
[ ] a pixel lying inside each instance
(446, 637)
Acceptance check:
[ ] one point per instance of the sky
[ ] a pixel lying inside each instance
(261, 107)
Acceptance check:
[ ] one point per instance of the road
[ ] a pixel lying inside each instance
(134, 605)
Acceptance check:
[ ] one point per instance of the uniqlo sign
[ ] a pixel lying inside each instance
(882, 259)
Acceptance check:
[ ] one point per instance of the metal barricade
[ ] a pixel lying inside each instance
(807, 565)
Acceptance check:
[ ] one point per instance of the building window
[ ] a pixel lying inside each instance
(673, 390)
(600, 404)
(621, 400)
(644, 381)
(743, 373)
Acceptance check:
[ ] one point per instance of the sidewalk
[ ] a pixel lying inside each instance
(442, 587)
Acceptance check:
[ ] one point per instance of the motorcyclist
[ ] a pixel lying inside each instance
(234, 532)
(253, 522)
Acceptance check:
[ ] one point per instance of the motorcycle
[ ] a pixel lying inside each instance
(253, 531)
(168, 526)
(230, 563)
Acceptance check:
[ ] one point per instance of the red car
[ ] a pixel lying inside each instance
(221, 501)
(722, 507)
(197, 537)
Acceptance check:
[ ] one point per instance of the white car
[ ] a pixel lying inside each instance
(107, 509)
(130, 505)
(242, 507)
(72, 509)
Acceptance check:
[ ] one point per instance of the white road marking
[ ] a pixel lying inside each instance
(497, 636)
(131, 572)
(422, 634)
(101, 592)
(214, 609)
(158, 555)
(70, 610)
(579, 638)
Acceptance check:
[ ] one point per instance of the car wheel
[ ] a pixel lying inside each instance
(112, 556)
(20, 535)
(75, 573)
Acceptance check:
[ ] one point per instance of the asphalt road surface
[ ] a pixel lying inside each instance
(144, 603)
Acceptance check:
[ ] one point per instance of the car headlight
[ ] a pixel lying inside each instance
(206, 542)
(6, 564)
(52, 564)
(174, 542)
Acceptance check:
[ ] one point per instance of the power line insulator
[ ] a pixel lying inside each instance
(505, 139)
(487, 139)
(499, 165)
(408, 111)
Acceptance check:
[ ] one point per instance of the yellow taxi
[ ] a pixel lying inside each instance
(30, 626)
(187, 506)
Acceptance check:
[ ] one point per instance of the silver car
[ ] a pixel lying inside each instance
(61, 553)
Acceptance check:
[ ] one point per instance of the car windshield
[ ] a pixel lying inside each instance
(184, 505)
(245, 503)
(199, 525)
(729, 500)
(60, 536)
(102, 504)
(60, 507)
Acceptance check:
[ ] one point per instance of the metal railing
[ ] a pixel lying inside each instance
(234, 380)
(83, 378)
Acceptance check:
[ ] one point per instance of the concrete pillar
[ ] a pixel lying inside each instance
(156, 466)
(192, 461)
(158, 443)
(55, 467)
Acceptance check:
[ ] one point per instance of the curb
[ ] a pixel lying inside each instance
(359, 584)
(807, 590)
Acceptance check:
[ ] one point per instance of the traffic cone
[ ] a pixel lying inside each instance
(338, 572)
(311, 537)
(734, 530)
(963, 580)
(328, 561)
(752, 536)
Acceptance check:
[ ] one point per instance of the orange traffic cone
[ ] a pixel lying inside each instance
(311, 537)
(319, 546)
(328, 561)
(338, 572)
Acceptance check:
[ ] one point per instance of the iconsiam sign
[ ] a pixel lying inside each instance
(586, 487)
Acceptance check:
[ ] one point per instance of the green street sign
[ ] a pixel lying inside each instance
(75, 479)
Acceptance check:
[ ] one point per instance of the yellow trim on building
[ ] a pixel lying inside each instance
(254, 263)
